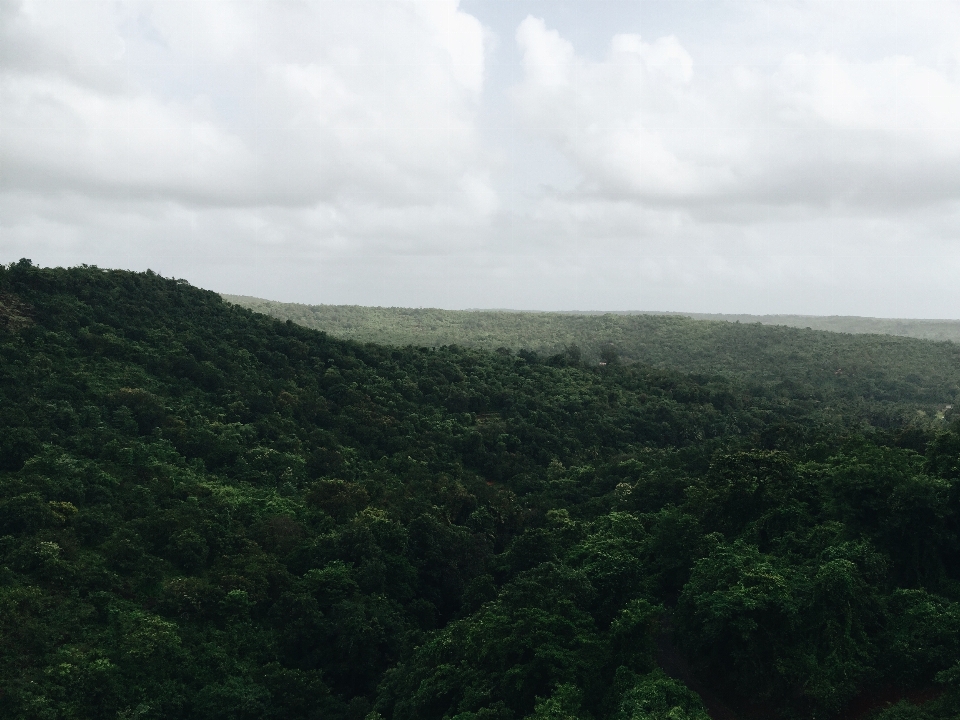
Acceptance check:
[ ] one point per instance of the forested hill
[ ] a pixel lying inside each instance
(793, 361)
(209, 513)
(922, 329)
(439, 326)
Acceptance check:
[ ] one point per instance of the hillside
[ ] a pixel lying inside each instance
(209, 513)
(787, 360)
(939, 330)
(345, 320)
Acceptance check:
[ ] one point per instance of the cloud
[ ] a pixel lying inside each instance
(66, 136)
(615, 118)
(745, 156)
(246, 104)
(647, 123)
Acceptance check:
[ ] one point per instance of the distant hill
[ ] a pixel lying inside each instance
(363, 323)
(878, 367)
(921, 329)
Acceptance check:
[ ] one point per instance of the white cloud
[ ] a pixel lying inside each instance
(747, 156)
(629, 122)
(647, 123)
(62, 135)
(246, 103)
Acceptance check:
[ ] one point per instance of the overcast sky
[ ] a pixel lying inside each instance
(759, 157)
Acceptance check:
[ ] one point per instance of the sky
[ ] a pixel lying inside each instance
(681, 155)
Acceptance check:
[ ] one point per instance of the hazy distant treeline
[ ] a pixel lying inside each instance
(791, 360)
(357, 322)
(922, 329)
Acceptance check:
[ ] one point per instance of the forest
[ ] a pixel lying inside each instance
(206, 512)
(691, 342)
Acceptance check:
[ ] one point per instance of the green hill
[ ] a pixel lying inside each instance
(939, 330)
(485, 327)
(209, 513)
(795, 361)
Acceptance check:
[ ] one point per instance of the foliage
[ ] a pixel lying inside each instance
(208, 513)
(482, 325)
(797, 358)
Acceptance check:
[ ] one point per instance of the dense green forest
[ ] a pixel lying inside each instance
(797, 359)
(922, 329)
(485, 327)
(209, 513)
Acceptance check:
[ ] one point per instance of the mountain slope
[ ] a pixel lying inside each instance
(345, 319)
(820, 364)
(207, 513)
(938, 330)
